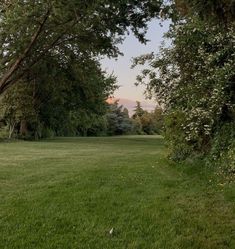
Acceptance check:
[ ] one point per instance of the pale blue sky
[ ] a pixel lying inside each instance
(131, 47)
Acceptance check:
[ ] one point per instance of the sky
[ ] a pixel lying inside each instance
(121, 67)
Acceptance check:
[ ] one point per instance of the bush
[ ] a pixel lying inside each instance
(47, 132)
(223, 148)
(180, 148)
(4, 133)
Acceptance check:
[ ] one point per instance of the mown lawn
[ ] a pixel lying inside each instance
(70, 192)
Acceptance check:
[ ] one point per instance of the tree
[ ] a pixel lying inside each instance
(67, 99)
(138, 111)
(118, 121)
(158, 120)
(137, 126)
(147, 122)
(31, 31)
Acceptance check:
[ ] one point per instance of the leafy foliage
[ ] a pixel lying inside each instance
(31, 31)
(221, 11)
(60, 99)
(194, 80)
(53, 47)
(118, 121)
(147, 122)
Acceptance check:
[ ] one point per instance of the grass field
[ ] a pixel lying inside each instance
(70, 192)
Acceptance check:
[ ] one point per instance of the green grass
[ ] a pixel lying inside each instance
(69, 192)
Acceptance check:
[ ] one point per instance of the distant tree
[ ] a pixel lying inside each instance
(158, 120)
(118, 121)
(147, 122)
(137, 126)
(138, 111)
(126, 112)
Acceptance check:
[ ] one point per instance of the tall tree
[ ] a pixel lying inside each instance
(33, 30)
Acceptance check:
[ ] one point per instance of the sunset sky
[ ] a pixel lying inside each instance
(131, 47)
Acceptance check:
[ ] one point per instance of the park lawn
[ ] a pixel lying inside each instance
(70, 192)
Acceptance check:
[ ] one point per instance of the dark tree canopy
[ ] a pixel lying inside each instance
(32, 30)
(222, 11)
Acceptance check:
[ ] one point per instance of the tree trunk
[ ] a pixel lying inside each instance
(11, 130)
(23, 128)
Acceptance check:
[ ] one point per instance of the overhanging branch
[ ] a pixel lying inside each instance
(16, 65)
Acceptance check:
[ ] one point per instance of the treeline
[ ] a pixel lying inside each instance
(33, 116)
(141, 122)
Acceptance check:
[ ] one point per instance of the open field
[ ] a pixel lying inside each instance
(70, 192)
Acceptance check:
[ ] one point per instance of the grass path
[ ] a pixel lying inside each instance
(68, 193)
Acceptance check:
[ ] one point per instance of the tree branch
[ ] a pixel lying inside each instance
(4, 85)
(18, 62)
